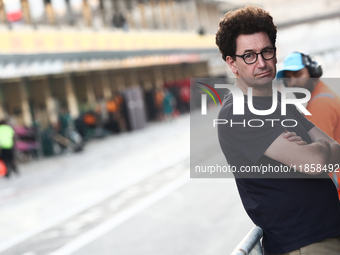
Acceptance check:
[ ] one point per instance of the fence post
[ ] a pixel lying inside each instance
(250, 244)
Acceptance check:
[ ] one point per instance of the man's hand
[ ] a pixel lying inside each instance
(291, 153)
(335, 153)
(317, 134)
(291, 136)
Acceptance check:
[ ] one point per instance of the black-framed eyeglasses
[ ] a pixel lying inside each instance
(251, 57)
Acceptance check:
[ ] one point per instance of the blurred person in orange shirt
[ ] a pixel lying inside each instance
(113, 106)
(159, 98)
(324, 104)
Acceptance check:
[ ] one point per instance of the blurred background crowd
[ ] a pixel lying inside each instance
(99, 67)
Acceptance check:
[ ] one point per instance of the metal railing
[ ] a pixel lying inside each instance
(250, 245)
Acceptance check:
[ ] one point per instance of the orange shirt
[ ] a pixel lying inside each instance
(324, 106)
(111, 106)
(159, 99)
(89, 119)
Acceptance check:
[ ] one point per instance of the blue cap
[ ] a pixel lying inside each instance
(293, 62)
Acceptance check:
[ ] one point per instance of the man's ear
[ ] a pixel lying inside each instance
(231, 62)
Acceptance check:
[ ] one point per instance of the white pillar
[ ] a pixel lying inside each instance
(26, 114)
(71, 97)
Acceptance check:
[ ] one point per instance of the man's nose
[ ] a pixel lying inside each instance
(261, 63)
(291, 82)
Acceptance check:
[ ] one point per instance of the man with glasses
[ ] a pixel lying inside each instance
(251, 57)
(298, 211)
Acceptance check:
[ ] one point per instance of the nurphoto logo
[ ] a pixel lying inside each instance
(238, 103)
(204, 97)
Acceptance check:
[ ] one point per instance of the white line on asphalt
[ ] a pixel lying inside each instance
(105, 227)
(24, 236)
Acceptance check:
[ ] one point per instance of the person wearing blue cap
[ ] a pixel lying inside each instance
(299, 70)
(297, 61)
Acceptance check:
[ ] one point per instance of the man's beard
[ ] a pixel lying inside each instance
(308, 85)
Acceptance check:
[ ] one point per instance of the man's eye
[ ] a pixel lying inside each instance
(249, 55)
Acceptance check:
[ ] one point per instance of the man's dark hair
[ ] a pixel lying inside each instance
(247, 20)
